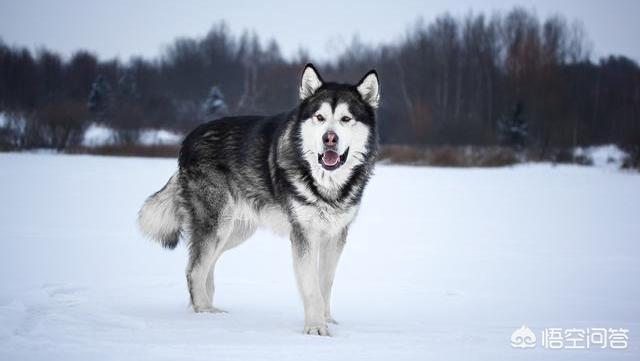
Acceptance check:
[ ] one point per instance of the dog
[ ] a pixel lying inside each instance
(301, 174)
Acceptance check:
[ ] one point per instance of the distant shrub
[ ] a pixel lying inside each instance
(450, 156)
(55, 125)
(132, 150)
(582, 159)
(560, 156)
(633, 160)
(126, 119)
(12, 129)
(61, 124)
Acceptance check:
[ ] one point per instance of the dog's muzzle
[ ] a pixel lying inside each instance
(331, 160)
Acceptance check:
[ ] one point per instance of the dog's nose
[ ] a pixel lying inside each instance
(330, 138)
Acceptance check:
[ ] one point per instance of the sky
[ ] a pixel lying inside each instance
(122, 29)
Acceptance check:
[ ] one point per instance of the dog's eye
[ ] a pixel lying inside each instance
(345, 119)
(320, 118)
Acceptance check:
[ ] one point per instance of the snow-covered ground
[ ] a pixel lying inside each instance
(441, 264)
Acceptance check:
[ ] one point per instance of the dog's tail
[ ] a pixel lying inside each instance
(159, 218)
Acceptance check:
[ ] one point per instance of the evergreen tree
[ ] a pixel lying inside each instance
(513, 128)
(99, 97)
(128, 88)
(214, 105)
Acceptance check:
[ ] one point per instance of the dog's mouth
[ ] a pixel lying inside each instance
(331, 160)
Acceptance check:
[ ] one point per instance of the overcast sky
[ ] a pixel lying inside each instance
(121, 28)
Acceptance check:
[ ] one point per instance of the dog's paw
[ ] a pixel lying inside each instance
(331, 320)
(317, 330)
(208, 309)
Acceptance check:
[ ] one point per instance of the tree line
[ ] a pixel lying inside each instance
(509, 78)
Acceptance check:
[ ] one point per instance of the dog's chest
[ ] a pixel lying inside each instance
(323, 219)
(276, 220)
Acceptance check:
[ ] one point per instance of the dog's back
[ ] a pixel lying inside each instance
(221, 158)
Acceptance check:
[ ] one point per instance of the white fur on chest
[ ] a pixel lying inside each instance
(323, 220)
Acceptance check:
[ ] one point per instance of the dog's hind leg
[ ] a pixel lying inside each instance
(329, 255)
(210, 284)
(202, 257)
(207, 208)
(209, 230)
(240, 233)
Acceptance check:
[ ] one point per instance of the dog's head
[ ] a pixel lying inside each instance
(337, 123)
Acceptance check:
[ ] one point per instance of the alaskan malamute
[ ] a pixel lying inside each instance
(300, 173)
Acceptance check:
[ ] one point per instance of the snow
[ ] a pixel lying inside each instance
(608, 156)
(159, 137)
(14, 122)
(98, 135)
(441, 264)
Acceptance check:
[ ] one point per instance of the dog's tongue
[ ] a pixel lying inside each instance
(330, 158)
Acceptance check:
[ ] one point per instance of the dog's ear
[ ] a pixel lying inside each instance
(369, 89)
(311, 81)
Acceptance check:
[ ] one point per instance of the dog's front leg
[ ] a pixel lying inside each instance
(329, 256)
(305, 262)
